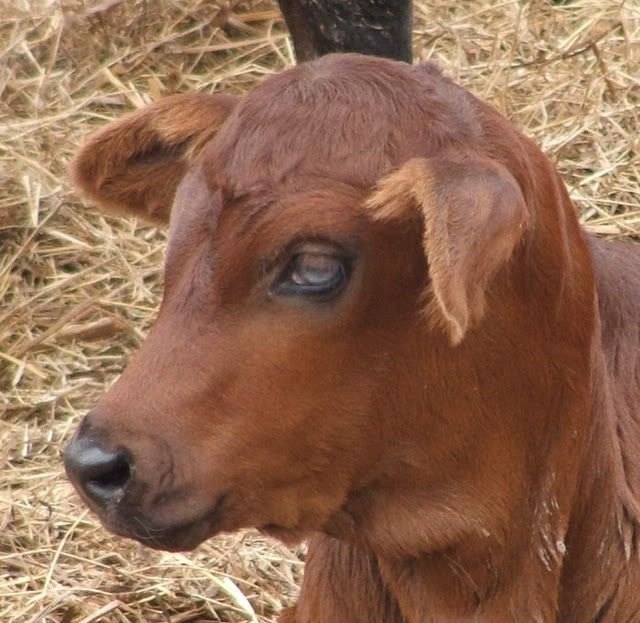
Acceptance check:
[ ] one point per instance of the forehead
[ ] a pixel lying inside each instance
(265, 217)
(347, 118)
(299, 153)
(269, 221)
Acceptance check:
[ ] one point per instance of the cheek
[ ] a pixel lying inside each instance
(297, 398)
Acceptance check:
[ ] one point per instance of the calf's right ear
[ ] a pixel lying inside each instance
(473, 215)
(134, 164)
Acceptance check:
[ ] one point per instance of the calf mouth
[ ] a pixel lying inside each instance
(164, 536)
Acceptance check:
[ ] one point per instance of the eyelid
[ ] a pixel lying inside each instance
(306, 244)
(317, 246)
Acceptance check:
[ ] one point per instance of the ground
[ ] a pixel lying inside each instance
(79, 290)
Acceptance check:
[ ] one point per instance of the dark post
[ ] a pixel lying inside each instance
(378, 27)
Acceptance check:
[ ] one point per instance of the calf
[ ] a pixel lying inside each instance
(384, 330)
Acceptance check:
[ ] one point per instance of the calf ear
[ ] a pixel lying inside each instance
(134, 164)
(473, 215)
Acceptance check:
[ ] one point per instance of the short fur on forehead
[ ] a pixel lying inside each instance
(345, 117)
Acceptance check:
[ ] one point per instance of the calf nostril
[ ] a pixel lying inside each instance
(102, 474)
(109, 476)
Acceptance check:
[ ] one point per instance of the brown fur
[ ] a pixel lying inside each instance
(468, 209)
(135, 165)
(472, 462)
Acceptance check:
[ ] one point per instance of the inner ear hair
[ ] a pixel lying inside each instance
(472, 215)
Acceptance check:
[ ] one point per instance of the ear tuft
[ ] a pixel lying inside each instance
(135, 163)
(473, 214)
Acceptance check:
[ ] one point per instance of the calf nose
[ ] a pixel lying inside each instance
(103, 475)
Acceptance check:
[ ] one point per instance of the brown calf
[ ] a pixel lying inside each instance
(383, 329)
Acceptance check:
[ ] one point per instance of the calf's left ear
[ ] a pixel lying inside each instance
(473, 214)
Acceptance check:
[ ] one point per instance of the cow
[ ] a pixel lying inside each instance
(383, 330)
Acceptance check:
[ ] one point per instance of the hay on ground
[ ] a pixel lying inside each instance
(78, 290)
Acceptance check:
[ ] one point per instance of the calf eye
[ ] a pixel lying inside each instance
(315, 275)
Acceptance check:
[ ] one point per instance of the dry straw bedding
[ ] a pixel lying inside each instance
(78, 290)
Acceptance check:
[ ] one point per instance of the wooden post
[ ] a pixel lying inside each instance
(378, 27)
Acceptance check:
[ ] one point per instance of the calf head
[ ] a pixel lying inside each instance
(343, 272)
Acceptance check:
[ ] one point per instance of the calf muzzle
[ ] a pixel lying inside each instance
(101, 474)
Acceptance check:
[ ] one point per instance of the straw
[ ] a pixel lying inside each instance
(79, 290)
